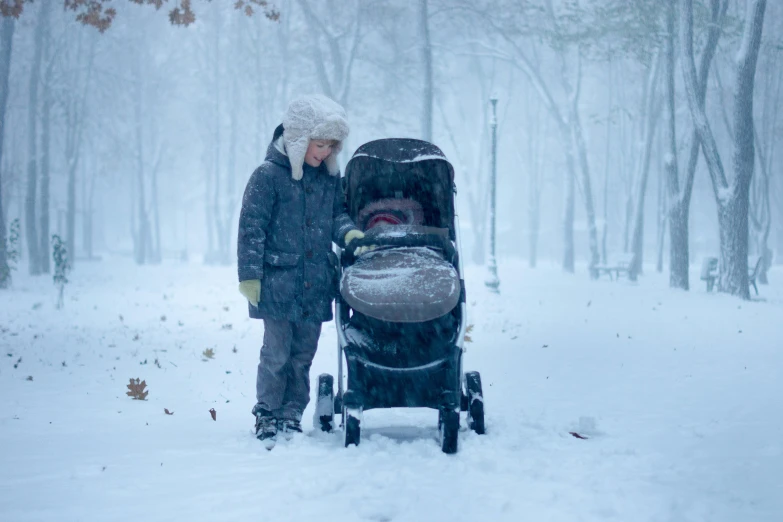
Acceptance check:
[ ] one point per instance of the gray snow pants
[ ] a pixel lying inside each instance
(283, 379)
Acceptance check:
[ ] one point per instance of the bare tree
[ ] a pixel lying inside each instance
(76, 118)
(607, 165)
(679, 197)
(650, 119)
(46, 134)
(271, 72)
(471, 153)
(732, 199)
(220, 196)
(31, 231)
(6, 43)
(577, 135)
(89, 182)
(660, 236)
(342, 35)
(142, 232)
(566, 115)
(760, 211)
(534, 173)
(766, 132)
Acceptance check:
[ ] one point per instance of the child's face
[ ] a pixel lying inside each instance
(317, 151)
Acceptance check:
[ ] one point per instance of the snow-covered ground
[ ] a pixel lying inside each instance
(679, 394)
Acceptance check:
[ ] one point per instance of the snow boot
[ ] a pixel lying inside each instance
(289, 427)
(266, 428)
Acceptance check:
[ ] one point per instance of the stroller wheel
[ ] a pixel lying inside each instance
(352, 429)
(475, 402)
(324, 406)
(448, 427)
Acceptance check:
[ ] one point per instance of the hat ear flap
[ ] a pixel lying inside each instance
(331, 165)
(331, 160)
(296, 154)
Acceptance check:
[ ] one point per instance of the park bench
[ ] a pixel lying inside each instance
(710, 271)
(620, 266)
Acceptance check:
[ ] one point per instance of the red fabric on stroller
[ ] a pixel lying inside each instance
(391, 211)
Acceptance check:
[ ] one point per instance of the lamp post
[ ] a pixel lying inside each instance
(492, 282)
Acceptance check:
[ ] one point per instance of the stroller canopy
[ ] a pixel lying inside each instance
(402, 169)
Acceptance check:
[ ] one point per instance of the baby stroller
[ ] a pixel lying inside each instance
(400, 313)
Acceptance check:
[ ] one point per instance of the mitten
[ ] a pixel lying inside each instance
(353, 234)
(358, 234)
(251, 289)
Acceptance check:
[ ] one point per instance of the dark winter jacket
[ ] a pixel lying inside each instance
(286, 229)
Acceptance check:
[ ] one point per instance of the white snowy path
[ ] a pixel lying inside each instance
(679, 394)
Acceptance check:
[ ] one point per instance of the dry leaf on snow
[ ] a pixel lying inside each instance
(136, 389)
(468, 339)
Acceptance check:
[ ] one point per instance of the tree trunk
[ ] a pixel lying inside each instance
(156, 255)
(678, 206)
(6, 45)
(587, 191)
(231, 196)
(534, 179)
(732, 200)
(142, 226)
(651, 114)
(628, 214)
(45, 150)
(426, 53)
(133, 219)
(577, 144)
(568, 210)
(88, 209)
(760, 212)
(142, 240)
(76, 116)
(215, 248)
(660, 236)
(761, 204)
(209, 217)
(31, 231)
(679, 256)
(607, 166)
(534, 216)
(733, 221)
(71, 215)
(734, 215)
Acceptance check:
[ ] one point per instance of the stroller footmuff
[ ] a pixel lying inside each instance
(401, 315)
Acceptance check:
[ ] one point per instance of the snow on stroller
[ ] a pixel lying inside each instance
(400, 313)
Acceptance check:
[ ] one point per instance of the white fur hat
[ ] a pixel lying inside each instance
(313, 117)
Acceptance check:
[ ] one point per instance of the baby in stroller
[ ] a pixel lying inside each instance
(399, 344)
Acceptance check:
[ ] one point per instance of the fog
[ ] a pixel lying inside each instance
(156, 127)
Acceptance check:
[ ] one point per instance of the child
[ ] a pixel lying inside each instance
(293, 209)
